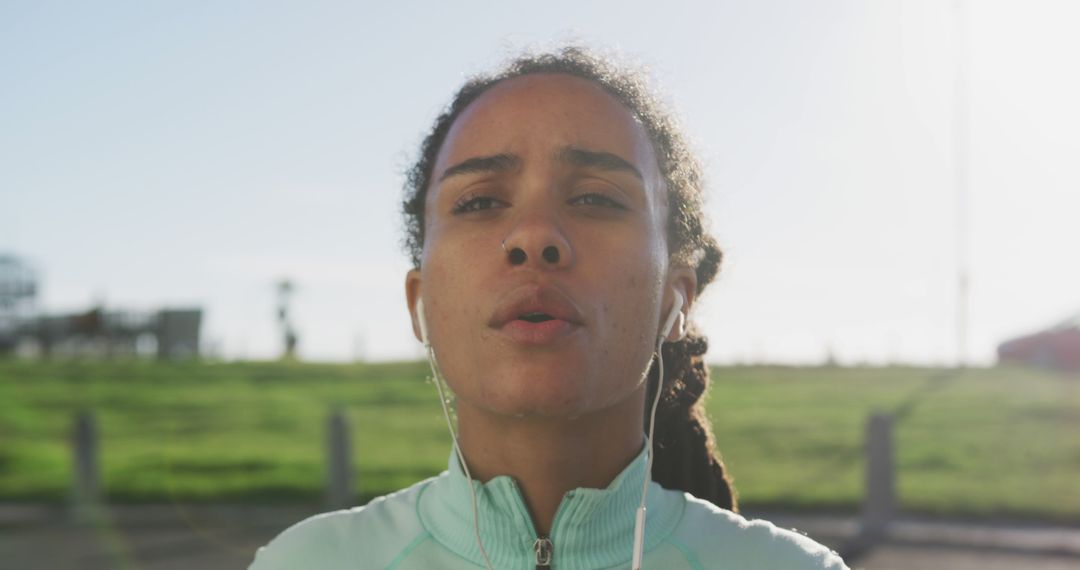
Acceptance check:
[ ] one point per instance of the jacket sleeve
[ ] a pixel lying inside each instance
(789, 549)
(365, 537)
(721, 539)
(310, 544)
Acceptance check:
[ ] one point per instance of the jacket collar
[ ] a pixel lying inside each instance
(593, 528)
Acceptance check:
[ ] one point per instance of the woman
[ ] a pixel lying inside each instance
(555, 225)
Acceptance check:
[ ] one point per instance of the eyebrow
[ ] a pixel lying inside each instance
(596, 159)
(495, 163)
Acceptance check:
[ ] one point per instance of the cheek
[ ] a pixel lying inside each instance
(452, 261)
(453, 290)
(455, 316)
(631, 306)
(443, 298)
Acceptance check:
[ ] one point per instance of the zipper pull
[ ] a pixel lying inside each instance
(543, 548)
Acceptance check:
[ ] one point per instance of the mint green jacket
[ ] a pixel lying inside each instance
(430, 526)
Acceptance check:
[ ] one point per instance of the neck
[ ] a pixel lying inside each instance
(549, 456)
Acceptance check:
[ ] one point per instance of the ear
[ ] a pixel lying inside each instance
(412, 295)
(683, 279)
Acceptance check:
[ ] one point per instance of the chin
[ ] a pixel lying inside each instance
(543, 390)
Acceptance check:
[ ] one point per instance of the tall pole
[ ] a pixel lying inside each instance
(960, 180)
(288, 332)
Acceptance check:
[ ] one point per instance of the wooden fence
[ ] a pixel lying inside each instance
(878, 503)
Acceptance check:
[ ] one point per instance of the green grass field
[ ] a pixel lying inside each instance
(980, 442)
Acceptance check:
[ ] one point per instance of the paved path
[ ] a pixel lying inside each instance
(139, 538)
(918, 543)
(225, 537)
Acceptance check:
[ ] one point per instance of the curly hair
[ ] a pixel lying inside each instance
(685, 451)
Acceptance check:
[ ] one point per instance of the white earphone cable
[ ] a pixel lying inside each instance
(639, 521)
(434, 364)
(639, 525)
(457, 449)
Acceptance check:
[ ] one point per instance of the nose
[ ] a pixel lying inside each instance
(538, 241)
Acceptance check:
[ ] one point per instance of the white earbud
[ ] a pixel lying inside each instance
(676, 315)
(423, 321)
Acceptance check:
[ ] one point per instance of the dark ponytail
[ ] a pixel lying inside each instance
(684, 446)
(685, 450)
(685, 457)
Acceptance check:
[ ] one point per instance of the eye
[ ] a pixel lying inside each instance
(467, 204)
(597, 199)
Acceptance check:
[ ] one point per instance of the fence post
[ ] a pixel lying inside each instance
(339, 480)
(85, 488)
(879, 503)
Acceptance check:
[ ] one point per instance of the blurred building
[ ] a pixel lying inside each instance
(18, 293)
(167, 334)
(1056, 348)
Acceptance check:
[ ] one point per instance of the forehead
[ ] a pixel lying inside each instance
(535, 114)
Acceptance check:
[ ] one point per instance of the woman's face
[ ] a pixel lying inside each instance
(545, 266)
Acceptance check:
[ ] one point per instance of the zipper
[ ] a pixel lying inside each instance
(544, 549)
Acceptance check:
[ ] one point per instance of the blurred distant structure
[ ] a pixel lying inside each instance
(168, 334)
(288, 332)
(1056, 348)
(18, 296)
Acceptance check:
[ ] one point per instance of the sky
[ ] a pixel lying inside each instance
(159, 154)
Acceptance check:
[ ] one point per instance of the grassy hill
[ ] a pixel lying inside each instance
(978, 442)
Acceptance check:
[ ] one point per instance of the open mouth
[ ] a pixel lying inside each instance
(536, 317)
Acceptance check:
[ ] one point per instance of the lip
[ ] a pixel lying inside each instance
(546, 332)
(536, 298)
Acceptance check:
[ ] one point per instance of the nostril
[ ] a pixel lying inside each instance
(551, 254)
(517, 256)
